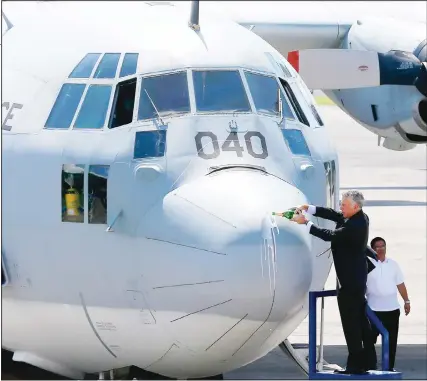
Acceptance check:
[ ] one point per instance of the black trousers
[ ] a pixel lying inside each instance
(357, 329)
(390, 320)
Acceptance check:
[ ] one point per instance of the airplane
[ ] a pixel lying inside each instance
(154, 153)
(393, 105)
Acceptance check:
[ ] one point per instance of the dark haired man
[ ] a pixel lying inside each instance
(383, 283)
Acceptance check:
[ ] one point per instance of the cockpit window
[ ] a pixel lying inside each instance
(149, 144)
(85, 66)
(94, 108)
(124, 101)
(129, 64)
(294, 101)
(296, 142)
(65, 106)
(108, 66)
(265, 92)
(220, 90)
(167, 93)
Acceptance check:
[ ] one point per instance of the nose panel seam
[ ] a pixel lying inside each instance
(213, 215)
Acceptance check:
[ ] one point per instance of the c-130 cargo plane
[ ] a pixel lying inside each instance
(144, 149)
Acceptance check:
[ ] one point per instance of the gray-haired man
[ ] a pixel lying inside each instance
(348, 244)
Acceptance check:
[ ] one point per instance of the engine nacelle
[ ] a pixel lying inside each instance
(395, 111)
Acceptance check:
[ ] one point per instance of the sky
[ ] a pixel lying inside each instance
(407, 10)
(414, 11)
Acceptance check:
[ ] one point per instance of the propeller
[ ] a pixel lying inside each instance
(403, 68)
(331, 69)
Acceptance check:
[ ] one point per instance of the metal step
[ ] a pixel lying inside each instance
(299, 354)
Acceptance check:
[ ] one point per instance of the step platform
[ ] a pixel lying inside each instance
(371, 375)
(328, 374)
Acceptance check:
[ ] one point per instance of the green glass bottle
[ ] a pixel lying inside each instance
(288, 214)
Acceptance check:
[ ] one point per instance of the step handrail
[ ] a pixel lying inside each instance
(312, 329)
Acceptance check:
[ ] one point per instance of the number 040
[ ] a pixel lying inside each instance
(232, 143)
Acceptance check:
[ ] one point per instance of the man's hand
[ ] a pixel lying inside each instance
(302, 207)
(299, 218)
(407, 308)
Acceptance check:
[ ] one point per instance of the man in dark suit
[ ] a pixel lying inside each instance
(348, 245)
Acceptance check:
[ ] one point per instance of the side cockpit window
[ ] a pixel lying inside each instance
(265, 92)
(124, 101)
(294, 101)
(164, 95)
(220, 91)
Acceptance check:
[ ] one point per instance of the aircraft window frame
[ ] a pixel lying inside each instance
(300, 114)
(283, 94)
(245, 88)
(173, 114)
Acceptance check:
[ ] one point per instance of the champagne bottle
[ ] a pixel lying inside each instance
(287, 214)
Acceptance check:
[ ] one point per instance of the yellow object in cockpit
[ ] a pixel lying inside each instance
(72, 202)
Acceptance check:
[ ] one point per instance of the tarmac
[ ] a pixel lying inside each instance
(394, 185)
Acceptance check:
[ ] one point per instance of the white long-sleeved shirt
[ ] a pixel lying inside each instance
(311, 210)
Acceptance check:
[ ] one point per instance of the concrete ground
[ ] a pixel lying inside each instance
(394, 186)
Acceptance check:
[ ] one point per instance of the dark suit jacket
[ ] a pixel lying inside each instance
(372, 254)
(348, 245)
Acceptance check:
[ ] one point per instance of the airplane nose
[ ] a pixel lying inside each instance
(259, 266)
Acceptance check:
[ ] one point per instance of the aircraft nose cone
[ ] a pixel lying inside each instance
(258, 266)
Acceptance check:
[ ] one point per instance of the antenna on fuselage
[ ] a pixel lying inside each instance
(194, 17)
(154, 106)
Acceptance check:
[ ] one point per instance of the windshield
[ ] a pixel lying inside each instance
(220, 90)
(167, 93)
(265, 93)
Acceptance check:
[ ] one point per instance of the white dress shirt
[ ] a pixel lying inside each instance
(381, 290)
(311, 210)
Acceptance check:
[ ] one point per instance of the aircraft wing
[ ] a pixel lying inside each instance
(295, 25)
